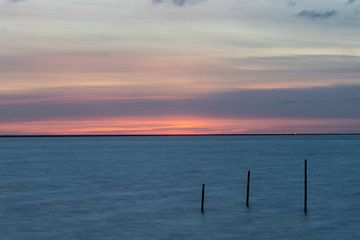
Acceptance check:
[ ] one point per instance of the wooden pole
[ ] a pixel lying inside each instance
(248, 189)
(305, 187)
(202, 198)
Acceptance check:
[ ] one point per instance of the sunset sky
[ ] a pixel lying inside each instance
(179, 66)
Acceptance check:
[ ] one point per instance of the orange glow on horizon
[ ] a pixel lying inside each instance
(172, 126)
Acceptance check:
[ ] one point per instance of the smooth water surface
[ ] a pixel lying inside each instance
(150, 187)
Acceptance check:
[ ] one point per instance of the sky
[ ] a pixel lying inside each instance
(179, 66)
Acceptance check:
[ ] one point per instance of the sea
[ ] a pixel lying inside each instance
(150, 187)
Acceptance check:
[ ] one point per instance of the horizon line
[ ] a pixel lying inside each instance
(170, 135)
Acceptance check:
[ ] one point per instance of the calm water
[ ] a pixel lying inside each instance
(150, 188)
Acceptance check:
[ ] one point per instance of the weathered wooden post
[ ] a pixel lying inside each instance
(202, 198)
(305, 187)
(248, 189)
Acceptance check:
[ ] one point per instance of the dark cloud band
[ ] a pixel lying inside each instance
(318, 14)
(179, 3)
(350, 2)
(15, 1)
(321, 103)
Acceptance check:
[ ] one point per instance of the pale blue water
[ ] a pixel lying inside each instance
(150, 188)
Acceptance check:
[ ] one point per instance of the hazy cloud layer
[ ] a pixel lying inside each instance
(165, 74)
(99, 59)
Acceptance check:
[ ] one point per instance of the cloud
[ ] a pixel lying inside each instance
(350, 2)
(318, 14)
(15, 1)
(306, 103)
(179, 3)
(291, 3)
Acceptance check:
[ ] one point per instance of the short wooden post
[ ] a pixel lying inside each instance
(305, 187)
(202, 198)
(248, 189)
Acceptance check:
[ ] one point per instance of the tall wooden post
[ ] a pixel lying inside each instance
(202, 198)
(248, 189)
(305, 187)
